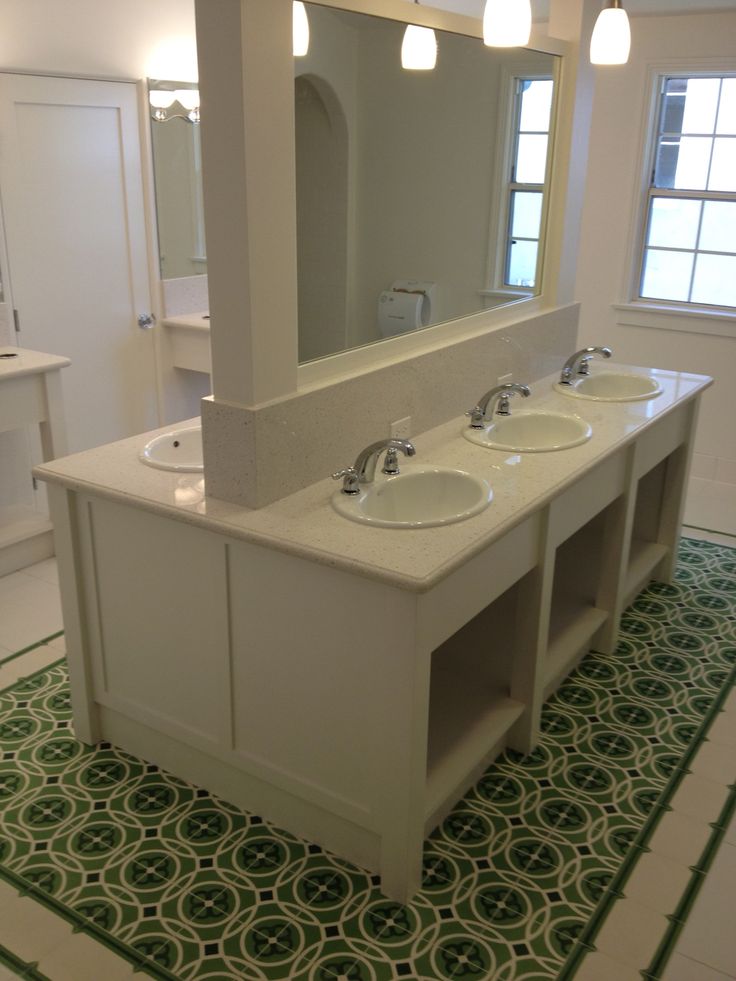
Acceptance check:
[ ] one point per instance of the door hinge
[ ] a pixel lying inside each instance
(16, 321)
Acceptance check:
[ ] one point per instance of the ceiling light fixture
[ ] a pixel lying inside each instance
(611, 40)
(419, 48)
(300, 29)
(507, 23)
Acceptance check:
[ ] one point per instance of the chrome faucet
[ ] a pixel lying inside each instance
(580, 363)
(501, 394)
(363, 471)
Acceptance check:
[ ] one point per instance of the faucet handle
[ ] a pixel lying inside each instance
(349, 477)
(477, 417)
(391, 461)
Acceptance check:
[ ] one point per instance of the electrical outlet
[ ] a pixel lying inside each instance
(502, 379)
(401, 429)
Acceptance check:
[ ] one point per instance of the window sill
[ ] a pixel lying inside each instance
(663, 317)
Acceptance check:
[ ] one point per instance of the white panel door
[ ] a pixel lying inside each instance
(71, 186)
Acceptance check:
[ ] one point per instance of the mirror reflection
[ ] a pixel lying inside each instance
(420, 194)
(177, 168)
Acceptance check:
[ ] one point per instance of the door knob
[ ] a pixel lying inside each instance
(146, 321)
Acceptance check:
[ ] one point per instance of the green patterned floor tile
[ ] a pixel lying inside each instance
(190, 888)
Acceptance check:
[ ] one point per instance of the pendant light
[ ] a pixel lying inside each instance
(300, 28)
(419, 48)
(507, 23)
(611, 38)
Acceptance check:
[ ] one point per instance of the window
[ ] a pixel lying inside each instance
(689, 252)
(528, 163)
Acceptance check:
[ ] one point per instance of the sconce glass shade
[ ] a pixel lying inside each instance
(188, 98)
(611, 40)
(300, 27)
(161, 98)
(419, 48)
(507, 23)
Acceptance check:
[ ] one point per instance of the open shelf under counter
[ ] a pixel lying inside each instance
(26, 536)
(466, 732)
(572, 629)
(644, 557)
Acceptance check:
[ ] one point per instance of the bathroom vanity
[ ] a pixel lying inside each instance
(30, 394)
(188, 338)
(348, 682)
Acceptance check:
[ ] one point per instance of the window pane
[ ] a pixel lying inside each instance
(727, 109)
(715, 280)
(718, 233)
(666, 275)
(674, 223)
(531, 160)
(526, 214)
(701, 103)
(536, 105)
(684, 163)
(723, 168)
(673, 105)
(522, 264)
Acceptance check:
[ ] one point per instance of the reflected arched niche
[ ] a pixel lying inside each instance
(322, 217)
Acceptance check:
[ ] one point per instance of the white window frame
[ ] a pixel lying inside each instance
(637, 311)
(499, 231)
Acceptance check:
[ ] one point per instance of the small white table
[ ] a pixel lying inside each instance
(30, 394)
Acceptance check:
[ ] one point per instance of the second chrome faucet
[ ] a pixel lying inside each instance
(363, 471)
(500, 395)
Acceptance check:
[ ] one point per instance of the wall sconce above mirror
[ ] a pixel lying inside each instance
(421, 196)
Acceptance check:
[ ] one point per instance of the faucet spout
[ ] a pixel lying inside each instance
(580, 363)
(501, 395)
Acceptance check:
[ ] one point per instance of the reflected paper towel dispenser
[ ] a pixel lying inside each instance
(406, 306)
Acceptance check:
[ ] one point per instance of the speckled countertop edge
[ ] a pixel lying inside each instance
(28, 362)
(305, 524)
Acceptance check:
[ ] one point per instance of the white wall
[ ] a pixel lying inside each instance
(115, 38)
(611, 199)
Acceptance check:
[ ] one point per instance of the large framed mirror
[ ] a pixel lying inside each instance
(420, 194)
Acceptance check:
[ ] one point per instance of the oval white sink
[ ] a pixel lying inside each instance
(179, 449)
(531, 432)
(418, 498)
(609, 386)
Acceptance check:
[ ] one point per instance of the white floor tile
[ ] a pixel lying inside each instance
(681, 968)
(27, 928)
(601, 967)
(30, 611)
(723, 730)
(716, 762)
(631, 933)
(21, 667)
(700, 797)
(657, 882)
(680, 838)
(81, 958)
(709, 536)
(708, 936)
(730, 838)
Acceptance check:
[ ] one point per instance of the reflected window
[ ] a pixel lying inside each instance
(689, 253)
(532, 113)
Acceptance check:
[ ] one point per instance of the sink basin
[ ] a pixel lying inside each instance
(417, 498)
(179, 449)
(531, 432)
(609, 386)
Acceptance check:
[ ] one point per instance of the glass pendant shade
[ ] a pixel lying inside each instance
(507, 23)
(611, 40)
(300, 29)
(419, 48)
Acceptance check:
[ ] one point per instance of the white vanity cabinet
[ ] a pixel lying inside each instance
(349, 683)
(30, 394)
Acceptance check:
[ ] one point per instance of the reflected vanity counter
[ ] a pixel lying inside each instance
(349, 682)
(188, 337)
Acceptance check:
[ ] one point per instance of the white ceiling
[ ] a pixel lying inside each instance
(540, 8)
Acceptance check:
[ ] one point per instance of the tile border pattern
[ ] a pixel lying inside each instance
(491, 899)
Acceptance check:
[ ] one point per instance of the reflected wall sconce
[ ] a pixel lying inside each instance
(611, 40)
(419, 48)
(507, 23)
(162, 100)
(300, 29)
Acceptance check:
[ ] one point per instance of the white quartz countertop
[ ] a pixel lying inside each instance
(25, 362)
(306, 525)
(192, 321)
